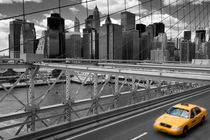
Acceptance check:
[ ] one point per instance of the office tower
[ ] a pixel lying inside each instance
(27, 37)
(42, 45)
(90, 43)
(187, 51)
(144, 46)
(56, 36)
(187, 35)
(131, 45)
(141, 28)
(161, 53)
(93, 21)
(96, 19)
(127, 21)
(73, 44)
(14, 38)
(76, 25)
(159, 28)
(89, 22)
(200, 35)
(171, 49)
(110, 40)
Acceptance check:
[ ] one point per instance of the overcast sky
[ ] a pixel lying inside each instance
(170, 16)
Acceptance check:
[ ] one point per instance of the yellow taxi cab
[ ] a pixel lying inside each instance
(178, 119)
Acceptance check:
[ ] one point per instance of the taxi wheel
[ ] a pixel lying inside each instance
(185, 130)
(203, 120)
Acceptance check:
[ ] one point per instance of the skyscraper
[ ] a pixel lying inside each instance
(73, 44)
(201, 35)
(27, 37)
(127, 21)
(141, 28)
(159, 28)
(56, 36)
(110, 40)
(76, 25)
(42, 45)
(14, 38)
(131, 45)
(187, 35)
(90, 43)
(93, 21)
(96, 19)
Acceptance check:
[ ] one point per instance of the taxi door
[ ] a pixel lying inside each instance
(193, 120)
(198, 115)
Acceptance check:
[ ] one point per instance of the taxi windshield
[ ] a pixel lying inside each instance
(179, 112)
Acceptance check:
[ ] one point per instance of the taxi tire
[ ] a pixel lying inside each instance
(203, 120)
(185, 131)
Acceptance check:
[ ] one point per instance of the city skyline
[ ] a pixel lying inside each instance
(11, 8)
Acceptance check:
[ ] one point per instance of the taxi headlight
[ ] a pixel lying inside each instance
(157, 122)
(175, 127)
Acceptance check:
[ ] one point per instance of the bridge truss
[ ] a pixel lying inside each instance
(109, 88)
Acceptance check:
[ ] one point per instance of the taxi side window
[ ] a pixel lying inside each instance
(192, 113)
(197, 110)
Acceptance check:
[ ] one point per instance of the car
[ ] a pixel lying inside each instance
(180, 118)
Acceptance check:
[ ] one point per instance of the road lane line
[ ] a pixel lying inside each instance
(145, 133)
(137, 115)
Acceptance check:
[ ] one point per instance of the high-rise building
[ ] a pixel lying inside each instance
(187, 51)
(73, 44)
(187, 35)
(90, 43)
(141, 28)
(201, 35)
(56, 36)
(27, 37)
(14, 38)
(96, 19)
(159, 28)
(89, 22)
(76, 25)
(131, 45)
(127, 21)
(145, 44)
(93, 21)
(42, 45)
(110, 40)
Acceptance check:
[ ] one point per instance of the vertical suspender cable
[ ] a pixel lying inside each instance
(204, 22)
(189, 16)
(87, 8)
(125, 4)
(170, 18)
(151, 10)
(177, 14)
(139, 11)
(59, 6)
(195, 16)
(184, 13)
(24, 18)
(161, 10)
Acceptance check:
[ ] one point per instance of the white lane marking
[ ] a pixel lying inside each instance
(125, 119)
(145, 133)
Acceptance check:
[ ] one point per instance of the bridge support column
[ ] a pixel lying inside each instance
(133, 92)
(95, 92)
(68, 96)
(32, 107)
(148, 89)
(116, 92)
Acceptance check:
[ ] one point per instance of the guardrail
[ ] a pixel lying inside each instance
(104, 117)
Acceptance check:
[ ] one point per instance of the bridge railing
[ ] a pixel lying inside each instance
(123, 91)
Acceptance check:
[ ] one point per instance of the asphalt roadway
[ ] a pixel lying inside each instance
(140, 127)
